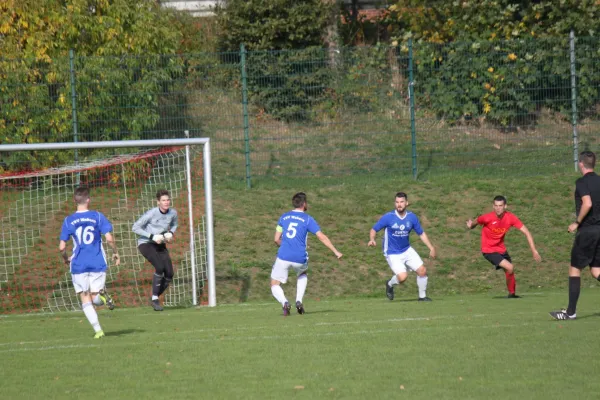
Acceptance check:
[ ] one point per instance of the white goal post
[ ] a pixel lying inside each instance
(197, 229)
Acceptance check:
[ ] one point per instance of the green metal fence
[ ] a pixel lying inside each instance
(413, 109)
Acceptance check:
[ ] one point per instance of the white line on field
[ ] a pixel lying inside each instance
(264, 327)
(263, 337)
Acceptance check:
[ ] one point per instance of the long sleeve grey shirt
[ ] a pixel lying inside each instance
(154, 222)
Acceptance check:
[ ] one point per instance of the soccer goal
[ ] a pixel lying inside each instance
(123, 177)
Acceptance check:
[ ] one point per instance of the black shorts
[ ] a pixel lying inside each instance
(497, 258)
(159, 257)
(586, 247)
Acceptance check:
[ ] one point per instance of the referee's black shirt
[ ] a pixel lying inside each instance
(588, 185)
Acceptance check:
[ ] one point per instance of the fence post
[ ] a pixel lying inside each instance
(73, 103)
(411, 96)
(245, 111)
(574, 99)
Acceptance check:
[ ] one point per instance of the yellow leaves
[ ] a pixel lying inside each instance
(512, 56)
(114, 178)
(51, 77)
(5, 28)
(61, 98)
(473, 75)
(538, 15)
(487, 107)
(487, 86)
(493, 35)
(491, 69)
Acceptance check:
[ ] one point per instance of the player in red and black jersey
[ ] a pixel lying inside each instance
(586, 247)
(495, 225)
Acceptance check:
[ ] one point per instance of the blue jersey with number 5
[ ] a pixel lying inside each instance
(86, 229)
(295, 226)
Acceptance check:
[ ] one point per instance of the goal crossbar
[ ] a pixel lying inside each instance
(212, 299)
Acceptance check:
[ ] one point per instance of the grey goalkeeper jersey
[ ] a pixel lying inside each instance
(154, 222)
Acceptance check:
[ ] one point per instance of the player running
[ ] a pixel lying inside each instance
(291, 235)
(396, 246)
(88, 261)
(154, 229)
(495, 226)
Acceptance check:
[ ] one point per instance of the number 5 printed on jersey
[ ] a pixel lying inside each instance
(291, 230)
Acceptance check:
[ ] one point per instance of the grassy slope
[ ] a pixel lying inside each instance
(347, 209)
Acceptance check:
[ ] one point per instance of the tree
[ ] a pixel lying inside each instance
(273, 24)
(118, 63)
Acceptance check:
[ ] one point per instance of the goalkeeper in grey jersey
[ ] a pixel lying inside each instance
(155, 229)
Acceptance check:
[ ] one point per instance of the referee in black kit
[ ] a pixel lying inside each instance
(586, 248)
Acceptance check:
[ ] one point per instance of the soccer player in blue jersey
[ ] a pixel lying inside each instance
(291, 235)
(88, 261)
(396, 246)
(154, 229)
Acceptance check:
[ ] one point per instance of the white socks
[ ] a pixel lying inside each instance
(422, 284)
(301, 287)
(394, 281)
(278, 294)
(91, 315)
(154, 297)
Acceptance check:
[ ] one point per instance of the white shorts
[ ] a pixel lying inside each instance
(281, 269)
(91, 282)
(399, 262)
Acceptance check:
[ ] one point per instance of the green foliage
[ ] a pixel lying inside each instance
(272, 25)
(116, 44)
(504, 82)
(440, 21)
(360, 84)
(500, 60)
(285, 84)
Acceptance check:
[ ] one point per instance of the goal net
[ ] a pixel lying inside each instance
(123, 185)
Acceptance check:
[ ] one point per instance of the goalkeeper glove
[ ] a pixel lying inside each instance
(168, 236)
(158, 239)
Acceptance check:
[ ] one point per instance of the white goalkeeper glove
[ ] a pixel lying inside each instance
(168, 237)
(158, 239)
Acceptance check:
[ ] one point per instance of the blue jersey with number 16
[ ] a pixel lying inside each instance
(295, 226)
(86, 228)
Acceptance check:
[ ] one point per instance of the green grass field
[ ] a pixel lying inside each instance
(457, 347)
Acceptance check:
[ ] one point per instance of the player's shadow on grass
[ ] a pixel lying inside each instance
(595, 315)
(124, 332)
(323, 311)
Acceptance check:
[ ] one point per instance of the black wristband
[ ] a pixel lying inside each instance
(151, 236)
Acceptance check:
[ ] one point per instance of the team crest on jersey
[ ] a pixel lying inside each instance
(402, 227)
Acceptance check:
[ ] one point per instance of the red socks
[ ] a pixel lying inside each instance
(511, 284)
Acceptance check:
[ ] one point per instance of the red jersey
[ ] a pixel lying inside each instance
(494, 229)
